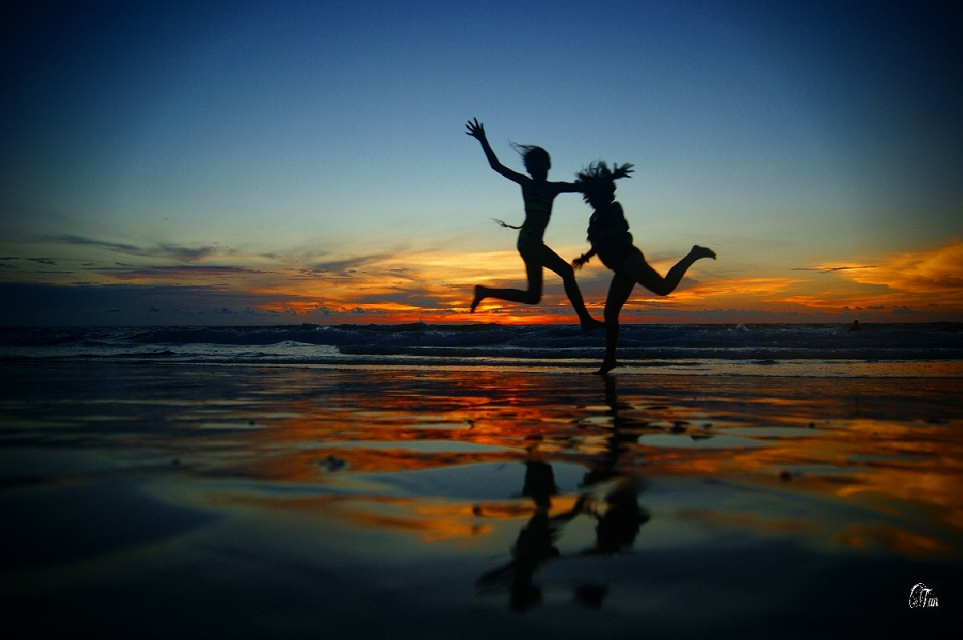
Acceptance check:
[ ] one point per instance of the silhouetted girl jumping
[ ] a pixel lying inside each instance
(608, 233)
(539, 195)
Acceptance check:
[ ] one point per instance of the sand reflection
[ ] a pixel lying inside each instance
(362, 437)
(777, 464)
(539, 488)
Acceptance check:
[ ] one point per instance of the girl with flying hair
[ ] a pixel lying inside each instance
(608, 233)
(538, 194)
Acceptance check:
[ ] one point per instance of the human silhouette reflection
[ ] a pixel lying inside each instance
(608, 233)
(604, 466)
(619, 517)
(536, 540)
(539, 195)
(618, 520)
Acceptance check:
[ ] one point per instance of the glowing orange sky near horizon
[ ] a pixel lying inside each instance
(437, 287)
(922, 279)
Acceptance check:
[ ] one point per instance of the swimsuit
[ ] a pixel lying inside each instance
(538, 210)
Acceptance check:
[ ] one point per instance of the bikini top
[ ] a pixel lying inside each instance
(538, 208)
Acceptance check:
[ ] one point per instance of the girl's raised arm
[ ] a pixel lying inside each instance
(477, 130)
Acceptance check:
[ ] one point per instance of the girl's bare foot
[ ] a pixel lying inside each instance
(702, 252)
(607, 365)
(591, 324)
(479, 296)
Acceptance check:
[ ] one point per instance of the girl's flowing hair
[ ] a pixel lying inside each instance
(533, 156)
(598, 177)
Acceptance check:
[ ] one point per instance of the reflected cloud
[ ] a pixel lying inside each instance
(895, 537)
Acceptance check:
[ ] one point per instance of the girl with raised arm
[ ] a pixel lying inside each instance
(608, 233)
(539, 195)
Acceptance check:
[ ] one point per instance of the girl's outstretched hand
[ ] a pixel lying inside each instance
(475, 129)
(580, 261)
(623, 171)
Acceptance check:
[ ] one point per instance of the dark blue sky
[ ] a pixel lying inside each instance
(280, 138)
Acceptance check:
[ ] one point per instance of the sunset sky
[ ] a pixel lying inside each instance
(274, 162)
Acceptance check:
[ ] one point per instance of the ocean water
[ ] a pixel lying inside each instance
(927, 350)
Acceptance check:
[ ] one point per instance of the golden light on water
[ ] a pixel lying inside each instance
(813, 449)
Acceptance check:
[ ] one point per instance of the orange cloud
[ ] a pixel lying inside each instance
(934, 271)
(925, 280)
(748, 286)
(438, 287)
(434, 286)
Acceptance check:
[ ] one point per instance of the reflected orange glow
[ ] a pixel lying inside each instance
(443, 521)
(781, 443)
(434, 523)
(896, 538)
(746, 521)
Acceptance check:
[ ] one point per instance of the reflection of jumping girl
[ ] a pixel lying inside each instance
(608, 233)
(538, 194)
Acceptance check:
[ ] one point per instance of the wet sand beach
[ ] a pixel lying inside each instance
(159, 501)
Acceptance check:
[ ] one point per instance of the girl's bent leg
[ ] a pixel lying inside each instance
(644, 274)
(532, 295)
(529, 296)
(565, 271)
